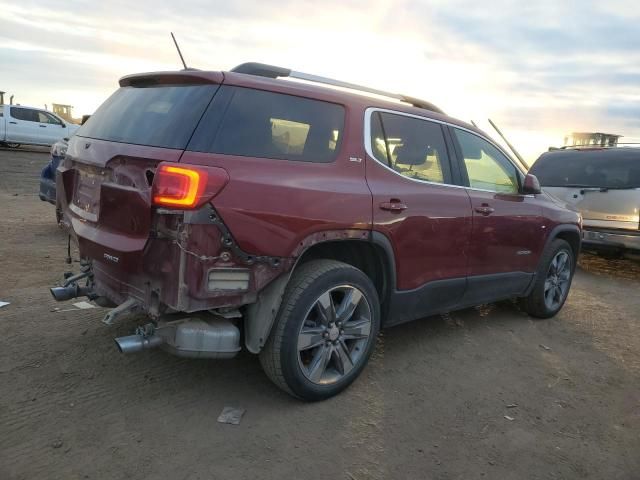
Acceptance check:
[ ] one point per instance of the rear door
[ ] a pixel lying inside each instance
(23, 126)
(508, 227)
(416, 206)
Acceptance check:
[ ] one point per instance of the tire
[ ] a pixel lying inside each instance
(13, 145)
(537, 304)
(341, 348)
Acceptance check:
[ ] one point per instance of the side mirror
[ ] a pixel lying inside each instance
(531, 185)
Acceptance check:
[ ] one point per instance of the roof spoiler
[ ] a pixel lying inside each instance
(271, 71)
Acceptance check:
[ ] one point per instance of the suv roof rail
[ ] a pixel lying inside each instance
(271, 71)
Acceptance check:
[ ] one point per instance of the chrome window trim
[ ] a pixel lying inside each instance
(368, 148)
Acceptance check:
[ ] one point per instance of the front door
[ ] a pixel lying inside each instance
(52, 129)
(416, 206)
(508, 227)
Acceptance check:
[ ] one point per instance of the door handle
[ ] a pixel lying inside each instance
(43, 126)
(394, 205)
(14, 123)
(485, 210)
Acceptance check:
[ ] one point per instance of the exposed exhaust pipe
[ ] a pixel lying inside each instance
(70, 291)
(137, 343)
(191, 337)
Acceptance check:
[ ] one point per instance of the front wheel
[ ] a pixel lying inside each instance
(553, 281)
(325, 330)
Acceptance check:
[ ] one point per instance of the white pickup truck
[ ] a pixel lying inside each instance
(20, 125)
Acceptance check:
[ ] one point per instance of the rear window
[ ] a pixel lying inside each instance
(595, 168)
(256, 123)
(159, 116)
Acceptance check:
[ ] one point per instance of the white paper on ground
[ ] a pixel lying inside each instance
(231, 415)
(83, 305)
(3, 304)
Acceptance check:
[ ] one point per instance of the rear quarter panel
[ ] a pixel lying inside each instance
(270, 206)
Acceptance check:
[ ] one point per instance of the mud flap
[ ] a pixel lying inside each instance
(261, 314)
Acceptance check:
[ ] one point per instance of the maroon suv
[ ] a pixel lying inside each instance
(302, 216)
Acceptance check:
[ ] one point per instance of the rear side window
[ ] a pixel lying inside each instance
(159, 116)
(412, 147)
(25, 114)
(256, 123)
(595, 168)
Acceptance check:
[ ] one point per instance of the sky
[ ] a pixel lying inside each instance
(539, 69)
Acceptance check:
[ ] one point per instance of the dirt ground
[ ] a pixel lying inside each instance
(482, 393)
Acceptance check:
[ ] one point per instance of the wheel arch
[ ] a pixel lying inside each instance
(568, 233)
(371, 254)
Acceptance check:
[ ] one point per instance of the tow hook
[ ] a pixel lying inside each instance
(130, 306)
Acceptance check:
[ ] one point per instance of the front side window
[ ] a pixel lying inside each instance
(256, 123)
(1, 111)
(487, 168)
(412, 147)
(44, 117)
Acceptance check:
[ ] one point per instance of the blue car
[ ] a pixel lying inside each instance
(48, 175)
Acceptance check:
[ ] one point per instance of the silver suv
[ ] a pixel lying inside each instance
(603, 184)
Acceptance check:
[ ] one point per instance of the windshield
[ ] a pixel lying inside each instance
(159, 116)
(615, 168)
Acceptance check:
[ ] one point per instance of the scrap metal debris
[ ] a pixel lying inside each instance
(83, 305)
(231, 415)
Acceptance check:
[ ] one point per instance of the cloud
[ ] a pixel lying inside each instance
(541, 69)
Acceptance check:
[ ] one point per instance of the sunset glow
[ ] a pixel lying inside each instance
(524, 66)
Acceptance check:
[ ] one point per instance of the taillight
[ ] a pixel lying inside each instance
(186, 186)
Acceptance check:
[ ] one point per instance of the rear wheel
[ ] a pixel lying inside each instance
(325, 330)
(553, 281)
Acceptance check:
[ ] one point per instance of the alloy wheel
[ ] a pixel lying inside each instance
(556, 285)
(334, 335)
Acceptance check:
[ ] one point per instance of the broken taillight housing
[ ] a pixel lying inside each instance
(186, 187)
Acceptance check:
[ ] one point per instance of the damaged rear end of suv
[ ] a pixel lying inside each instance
(183, 201)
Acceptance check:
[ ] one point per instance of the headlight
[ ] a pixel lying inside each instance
(59, 149)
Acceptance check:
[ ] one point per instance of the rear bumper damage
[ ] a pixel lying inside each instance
(190, 266)
(201, 336)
